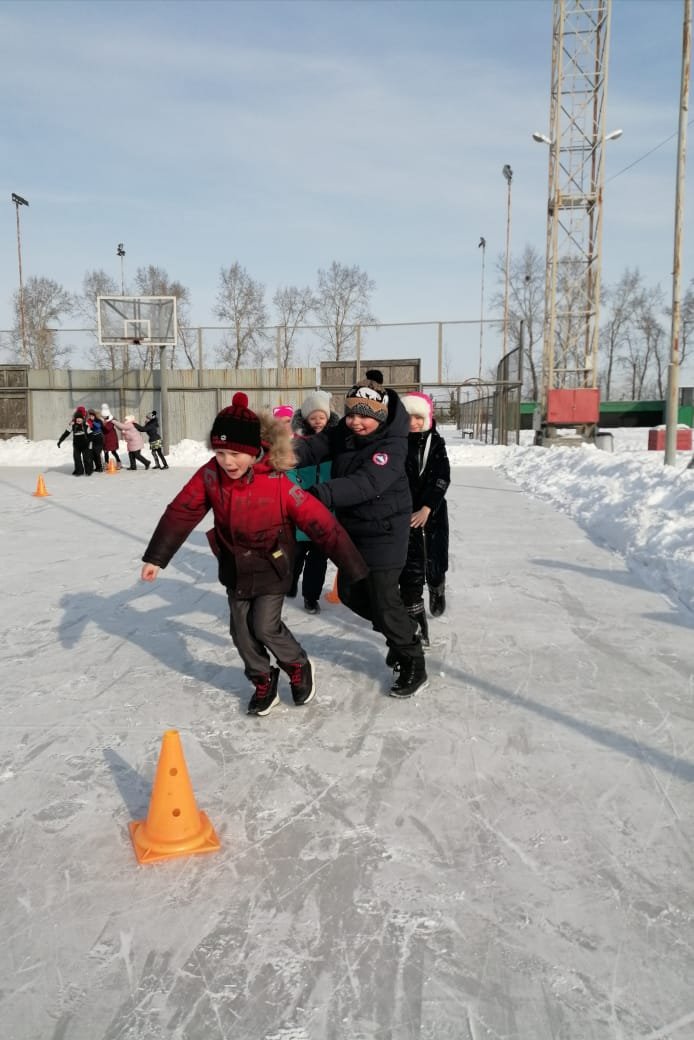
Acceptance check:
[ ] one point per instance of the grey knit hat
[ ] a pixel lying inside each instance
(319, 401)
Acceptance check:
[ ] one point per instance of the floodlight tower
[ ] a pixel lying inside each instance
(576, 139)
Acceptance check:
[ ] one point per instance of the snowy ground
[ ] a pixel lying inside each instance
(506, 855)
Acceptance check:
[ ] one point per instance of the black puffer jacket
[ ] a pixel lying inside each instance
(151, 428)
(429, 474)
(428, 470)
(369, 491)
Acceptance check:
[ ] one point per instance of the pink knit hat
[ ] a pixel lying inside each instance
(283, 411)
(419, 404)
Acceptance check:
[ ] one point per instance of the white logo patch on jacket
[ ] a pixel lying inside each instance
(380, 458)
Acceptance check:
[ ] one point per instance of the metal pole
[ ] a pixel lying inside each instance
(121, 253)
(671, 407)
(440, 352)
(22, 320)
(164, 395)
(508, 174)
(483, 246)
(358, 353)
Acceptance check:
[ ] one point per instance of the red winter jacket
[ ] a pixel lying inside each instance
(253, 534)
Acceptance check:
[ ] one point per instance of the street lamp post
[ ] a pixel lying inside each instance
(483, 246)
(19, 201)
(508, 174)
(121, 253)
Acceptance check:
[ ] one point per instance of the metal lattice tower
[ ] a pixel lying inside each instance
(580, 39)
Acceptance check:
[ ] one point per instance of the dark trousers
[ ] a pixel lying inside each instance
(158, 456)
(97, 448)
(115, 455)
(135, 457)
(413, 573)
(82, 457)
(314, 564)
(377, 598)
(256, 626)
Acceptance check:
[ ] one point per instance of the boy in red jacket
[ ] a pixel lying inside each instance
(256, 508)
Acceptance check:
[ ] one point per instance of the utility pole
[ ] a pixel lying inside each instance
(508, 174)
(121, 253)
(672, 403)
(483, 246)
(19, 201)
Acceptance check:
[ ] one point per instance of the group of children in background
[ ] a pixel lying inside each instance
(95, 438)
(290, 490)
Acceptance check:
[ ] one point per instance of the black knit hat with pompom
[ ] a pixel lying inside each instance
(237, 428)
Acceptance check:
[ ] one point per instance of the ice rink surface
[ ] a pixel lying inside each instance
(507, 856)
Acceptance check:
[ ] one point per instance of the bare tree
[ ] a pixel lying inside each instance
(655, 347)
(526, 303)
(620, 304)
(343, 301)
(241, 302)
(94, 284)
(155, 281)
(46, 303)
(292, 306)
(642, 352)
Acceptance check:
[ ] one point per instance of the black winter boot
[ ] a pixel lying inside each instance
(419, 616)
(265, 697)
(437, 599)
(301, 680)
(411, 677)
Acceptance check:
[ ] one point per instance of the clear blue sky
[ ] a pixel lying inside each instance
(286, 135)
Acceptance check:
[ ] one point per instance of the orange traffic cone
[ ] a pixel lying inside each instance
(41, 489)
(332, 596)
(174, 825)
(111, 466)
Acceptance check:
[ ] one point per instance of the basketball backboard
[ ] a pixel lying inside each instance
(146, 320)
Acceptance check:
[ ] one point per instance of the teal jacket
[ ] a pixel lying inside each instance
(306, 477)
(317, 473)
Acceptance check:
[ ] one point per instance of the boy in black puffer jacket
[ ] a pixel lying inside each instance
(151, 428)
(370, 496)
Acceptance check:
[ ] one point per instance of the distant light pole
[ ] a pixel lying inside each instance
(508, 174)
(19, 201)
(121, 253)
(483, 246)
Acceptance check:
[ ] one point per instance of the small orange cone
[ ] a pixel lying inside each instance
(174, 825)
(332, 596)
(111, 466)
(41, 489)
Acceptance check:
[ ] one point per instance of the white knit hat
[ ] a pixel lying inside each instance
(105, 410)
(421, 405)
(319, 401)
